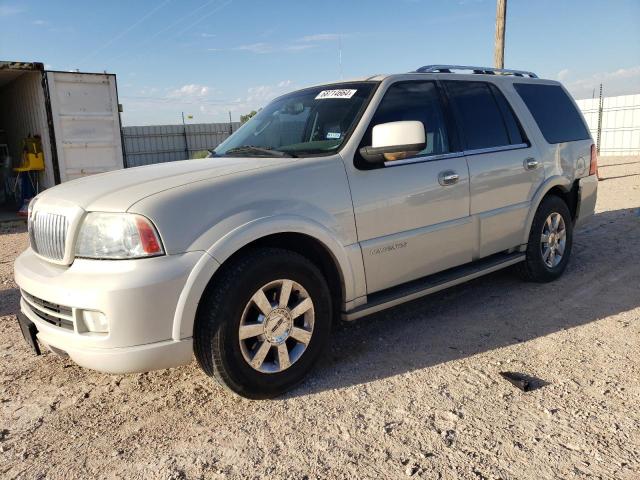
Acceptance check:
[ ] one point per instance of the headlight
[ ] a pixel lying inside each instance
(117, 236)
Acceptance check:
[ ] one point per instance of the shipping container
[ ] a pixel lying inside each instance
(75, 115)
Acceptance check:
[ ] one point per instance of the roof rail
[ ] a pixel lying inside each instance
(477, 70)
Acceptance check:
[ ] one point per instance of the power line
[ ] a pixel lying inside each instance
(218, 8)
(125, 31)
(148, 39)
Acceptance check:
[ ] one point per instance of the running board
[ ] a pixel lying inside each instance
(433, 283)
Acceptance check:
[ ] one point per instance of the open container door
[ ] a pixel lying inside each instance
(86, 121)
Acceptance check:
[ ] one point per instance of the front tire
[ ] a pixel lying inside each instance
(550, 242)
(263, 323)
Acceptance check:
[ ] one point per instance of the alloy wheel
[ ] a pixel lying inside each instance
(553, 240)
(276, 326)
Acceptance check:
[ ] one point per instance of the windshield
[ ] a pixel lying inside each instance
(311, 121)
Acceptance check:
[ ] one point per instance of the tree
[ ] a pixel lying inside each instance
(245, 118)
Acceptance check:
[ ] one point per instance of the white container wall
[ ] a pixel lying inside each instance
(620, 133)
(87, 123)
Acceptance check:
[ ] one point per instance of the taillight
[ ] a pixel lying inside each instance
(593, 167)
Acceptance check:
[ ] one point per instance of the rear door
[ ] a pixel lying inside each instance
(86, 123)
(505, 170)
(412, 215)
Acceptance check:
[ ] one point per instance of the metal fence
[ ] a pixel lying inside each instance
(619, 133)
(166, 143)
(619, 123)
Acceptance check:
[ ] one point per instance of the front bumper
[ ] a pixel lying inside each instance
(138, 298)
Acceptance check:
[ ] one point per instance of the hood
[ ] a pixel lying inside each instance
(116, 191)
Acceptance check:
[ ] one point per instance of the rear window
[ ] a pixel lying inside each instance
(484, 116)
(554, 112)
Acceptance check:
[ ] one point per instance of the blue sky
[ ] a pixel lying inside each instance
(208, 57)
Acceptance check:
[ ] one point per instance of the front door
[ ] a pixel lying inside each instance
(412, 215)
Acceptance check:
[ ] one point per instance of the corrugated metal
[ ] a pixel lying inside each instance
(23, 112)
(166, 143)
(620, 123)
(87, 123)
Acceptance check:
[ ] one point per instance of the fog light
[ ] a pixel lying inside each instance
(95, 322)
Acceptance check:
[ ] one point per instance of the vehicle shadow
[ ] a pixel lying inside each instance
(491, 312)
(9, 301)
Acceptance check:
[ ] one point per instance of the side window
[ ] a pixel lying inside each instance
(553, 111)
(514, 129)
(483, 114)
(414, 101)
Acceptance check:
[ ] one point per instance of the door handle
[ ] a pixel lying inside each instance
(530, 163)
(448, 177)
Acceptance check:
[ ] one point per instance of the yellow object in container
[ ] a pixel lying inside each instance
(32, 156)
(31, 161)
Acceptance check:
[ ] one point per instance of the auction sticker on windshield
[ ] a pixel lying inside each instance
(340, 93)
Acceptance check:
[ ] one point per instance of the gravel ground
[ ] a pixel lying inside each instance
(414, 391)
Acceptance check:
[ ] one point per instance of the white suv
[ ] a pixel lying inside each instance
(334, 201)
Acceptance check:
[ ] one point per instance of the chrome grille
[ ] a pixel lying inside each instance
(48, 234)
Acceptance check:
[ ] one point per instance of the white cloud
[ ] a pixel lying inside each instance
(191, 90)
(148, 91)
(562, 74)
(323, 37)
(618, 82)
(7, 10)
(40, 22)
(153, 105)
(208, 35)
(297, 47)
(260, 95)
(256, 97)
(259, 48)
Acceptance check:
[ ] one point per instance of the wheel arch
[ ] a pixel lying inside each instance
(337, 262)
(559, 186)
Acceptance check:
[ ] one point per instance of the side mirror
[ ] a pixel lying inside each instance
(394, 139)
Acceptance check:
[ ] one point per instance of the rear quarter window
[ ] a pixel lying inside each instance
(554, 112)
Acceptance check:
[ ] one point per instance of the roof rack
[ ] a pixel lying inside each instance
(476, 70)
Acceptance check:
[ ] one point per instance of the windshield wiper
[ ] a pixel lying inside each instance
(253, 149)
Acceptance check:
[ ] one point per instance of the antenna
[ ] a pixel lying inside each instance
(340, 54)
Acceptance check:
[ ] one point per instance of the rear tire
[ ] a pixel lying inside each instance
(263, 323)
(550, 242)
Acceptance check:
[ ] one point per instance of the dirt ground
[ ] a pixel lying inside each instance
(414, 391)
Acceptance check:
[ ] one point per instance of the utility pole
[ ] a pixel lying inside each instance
(230, 124)
(501, 16)
(340, 55)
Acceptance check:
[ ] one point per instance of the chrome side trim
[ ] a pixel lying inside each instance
(354, 315)
(504, 148)
(422, 159)
(444, 156)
